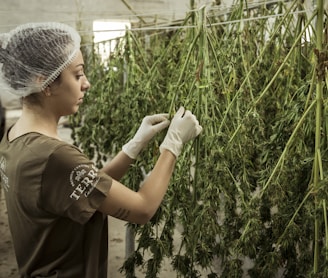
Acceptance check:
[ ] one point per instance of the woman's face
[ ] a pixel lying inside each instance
(68, 90)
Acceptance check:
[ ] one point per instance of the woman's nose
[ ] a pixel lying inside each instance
(86, 84)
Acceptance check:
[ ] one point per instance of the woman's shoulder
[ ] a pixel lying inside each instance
(53, 145)
(39, 145)
(36, 138)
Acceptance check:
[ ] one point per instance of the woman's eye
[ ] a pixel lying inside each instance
(79, 76)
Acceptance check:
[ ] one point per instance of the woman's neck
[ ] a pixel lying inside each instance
(36, 120)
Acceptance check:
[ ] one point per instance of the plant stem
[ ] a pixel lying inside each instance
(288, 144)
(326, 227)
(276, 31)
(182, 72)
(266, 89)
(319, 95)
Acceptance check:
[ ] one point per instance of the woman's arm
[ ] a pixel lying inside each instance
(139, 207)
(118, 166)
(150, 126)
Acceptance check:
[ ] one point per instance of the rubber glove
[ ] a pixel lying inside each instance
(184, 127)
(149, 127)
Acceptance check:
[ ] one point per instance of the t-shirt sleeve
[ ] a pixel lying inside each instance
(72, 186)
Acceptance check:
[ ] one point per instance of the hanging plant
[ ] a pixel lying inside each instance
(252, 187)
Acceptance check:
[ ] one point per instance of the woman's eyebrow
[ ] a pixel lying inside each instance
(80, 65)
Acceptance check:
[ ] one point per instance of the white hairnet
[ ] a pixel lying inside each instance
(33, 55)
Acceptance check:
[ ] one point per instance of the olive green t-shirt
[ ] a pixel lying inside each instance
(52, 194)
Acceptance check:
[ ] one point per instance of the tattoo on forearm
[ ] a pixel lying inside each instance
(122, 214)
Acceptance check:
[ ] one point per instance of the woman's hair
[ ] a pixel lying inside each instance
(33, 55)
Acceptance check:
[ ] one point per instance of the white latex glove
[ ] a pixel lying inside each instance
(184, 127)
(149, 127)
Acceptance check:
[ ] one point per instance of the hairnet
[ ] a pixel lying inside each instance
(33, 55)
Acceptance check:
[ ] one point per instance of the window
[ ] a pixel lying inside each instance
(106, 35)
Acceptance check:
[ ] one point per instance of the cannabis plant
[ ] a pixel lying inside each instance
(249, 196)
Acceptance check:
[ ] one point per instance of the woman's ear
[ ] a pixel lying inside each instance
(39, 80)
(47, 91)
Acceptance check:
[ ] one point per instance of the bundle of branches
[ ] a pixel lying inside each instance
(249, 195)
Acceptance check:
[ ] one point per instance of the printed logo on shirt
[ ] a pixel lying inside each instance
(84, 179)
(4, 178)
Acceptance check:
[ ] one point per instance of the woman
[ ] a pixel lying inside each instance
(57, 200)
